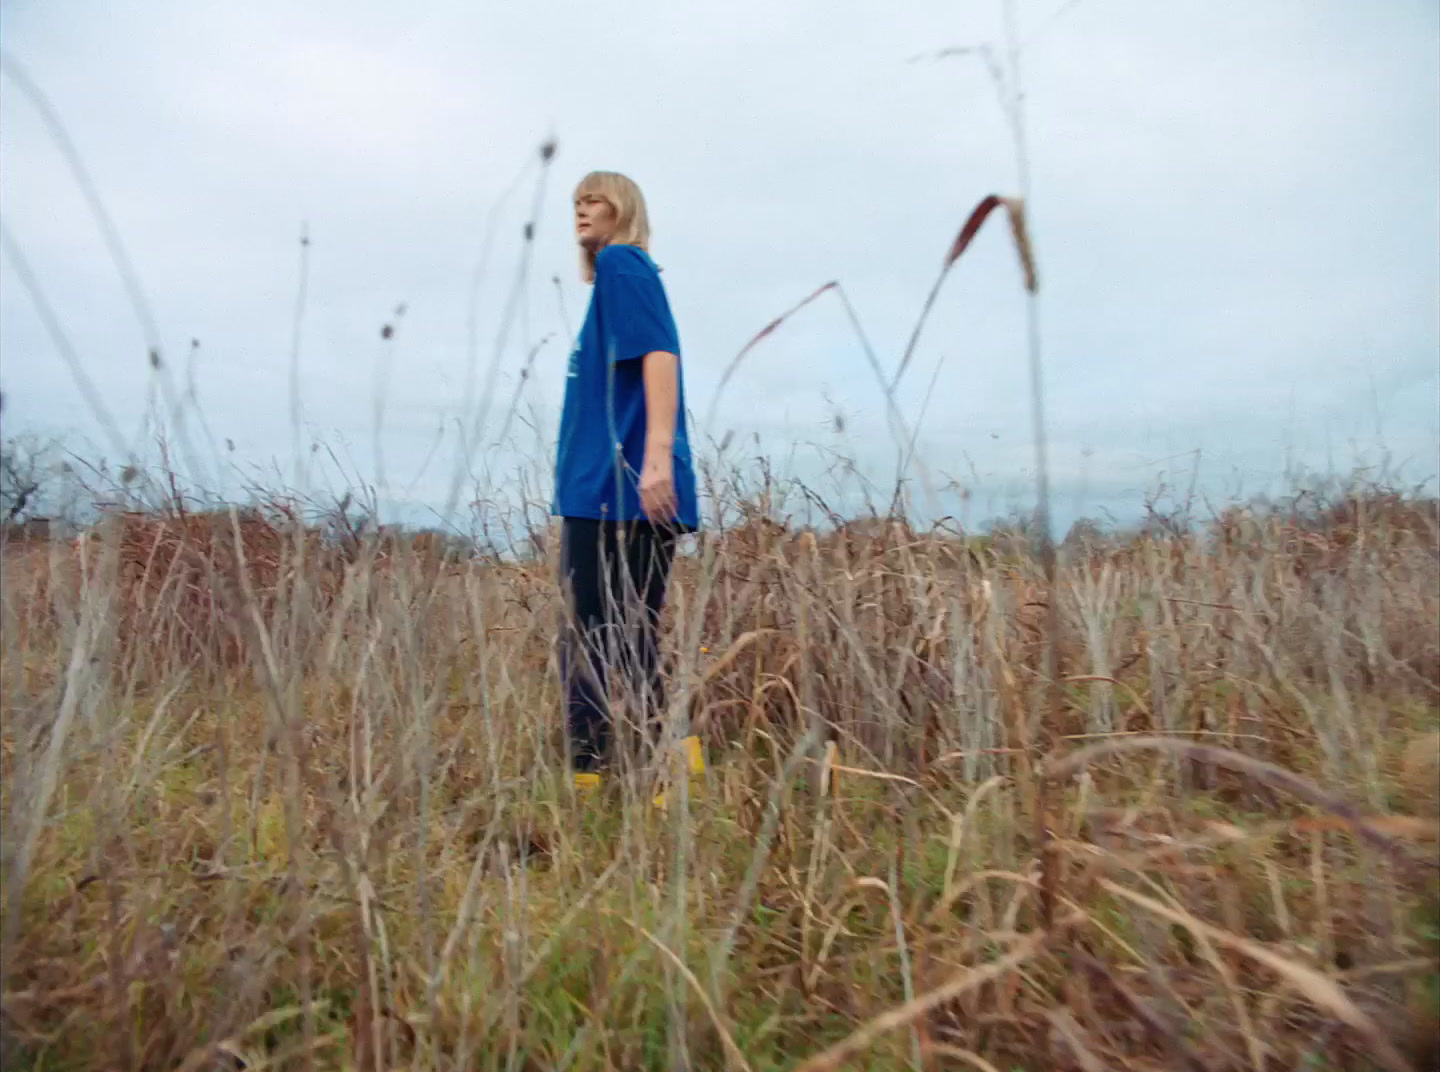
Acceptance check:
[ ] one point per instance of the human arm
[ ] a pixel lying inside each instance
(638, 326)
(661, 373)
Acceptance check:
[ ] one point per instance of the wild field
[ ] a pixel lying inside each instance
(273, 803)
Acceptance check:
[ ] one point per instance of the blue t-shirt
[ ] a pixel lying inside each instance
(602, 427)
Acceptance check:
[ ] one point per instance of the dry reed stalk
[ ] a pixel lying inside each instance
(963, 982)
(1317, 988)
(1261, 771)
(1164, 1034)
(1015, 210)
(733, 1057)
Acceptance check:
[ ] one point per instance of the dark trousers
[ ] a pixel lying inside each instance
(615, 574)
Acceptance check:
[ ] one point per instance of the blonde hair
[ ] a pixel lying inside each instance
(632, 222)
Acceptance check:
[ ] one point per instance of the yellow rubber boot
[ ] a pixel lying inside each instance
(694, 757)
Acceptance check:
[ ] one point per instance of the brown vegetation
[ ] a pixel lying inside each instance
(278, 803)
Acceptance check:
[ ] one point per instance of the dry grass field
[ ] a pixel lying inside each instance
(270, 804)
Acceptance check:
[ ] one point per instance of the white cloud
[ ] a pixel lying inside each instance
(1237, 211)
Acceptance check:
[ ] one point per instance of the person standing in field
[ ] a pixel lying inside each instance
(624, 479)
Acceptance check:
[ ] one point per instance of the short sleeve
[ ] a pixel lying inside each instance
(634, 312)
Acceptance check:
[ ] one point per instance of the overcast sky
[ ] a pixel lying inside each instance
(1236, 209)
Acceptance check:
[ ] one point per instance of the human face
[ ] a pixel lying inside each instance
(595, 221)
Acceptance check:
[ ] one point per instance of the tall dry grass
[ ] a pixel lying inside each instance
(271, 803)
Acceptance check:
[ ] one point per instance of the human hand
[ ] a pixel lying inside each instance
(657, 486)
